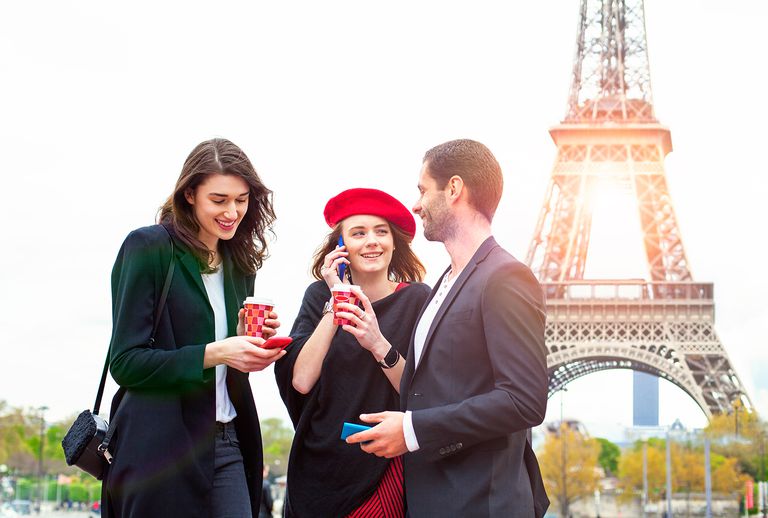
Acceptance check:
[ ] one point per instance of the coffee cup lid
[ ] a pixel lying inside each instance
(344, 287)
(259, 300)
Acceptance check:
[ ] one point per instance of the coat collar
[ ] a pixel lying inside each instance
(187, 259)
(232, 297)
(478, 257)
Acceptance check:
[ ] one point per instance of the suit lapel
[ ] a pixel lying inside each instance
(482, 252)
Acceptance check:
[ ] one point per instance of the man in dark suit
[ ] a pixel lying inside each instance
(475, 380)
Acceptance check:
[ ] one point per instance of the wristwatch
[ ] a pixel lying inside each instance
(391, 358)
(327, 308)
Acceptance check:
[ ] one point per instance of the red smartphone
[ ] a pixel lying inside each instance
(277, 342)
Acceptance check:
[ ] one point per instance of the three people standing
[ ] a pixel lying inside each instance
(467, 359)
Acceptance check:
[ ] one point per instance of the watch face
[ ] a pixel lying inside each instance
(391, 359)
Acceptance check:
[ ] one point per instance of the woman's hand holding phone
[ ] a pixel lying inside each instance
(244, 353)
(333, 260)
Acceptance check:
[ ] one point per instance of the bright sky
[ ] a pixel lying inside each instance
(101, 102)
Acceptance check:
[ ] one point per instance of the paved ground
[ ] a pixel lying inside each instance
(48, 513)
(64, 514)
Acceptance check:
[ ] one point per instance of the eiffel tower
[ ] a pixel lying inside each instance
(663, 326)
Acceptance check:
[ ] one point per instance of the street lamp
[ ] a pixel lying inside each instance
(762, 469)
(645, 476)
(42, 410)
(735, 398)
(564, 457)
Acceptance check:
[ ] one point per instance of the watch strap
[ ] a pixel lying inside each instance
(390, 359)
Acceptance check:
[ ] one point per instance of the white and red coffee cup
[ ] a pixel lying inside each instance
(342, 293)
(257, 310)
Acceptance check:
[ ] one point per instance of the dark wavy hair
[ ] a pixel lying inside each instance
(248, 247)
(404, 267)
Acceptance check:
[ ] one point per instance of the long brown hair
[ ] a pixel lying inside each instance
(404, 267)
(248, 247)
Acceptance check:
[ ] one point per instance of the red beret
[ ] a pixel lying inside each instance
(369, 201)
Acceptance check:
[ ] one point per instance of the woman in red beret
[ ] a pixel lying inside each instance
(331, 374)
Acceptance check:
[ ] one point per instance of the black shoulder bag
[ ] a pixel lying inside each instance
(86, 444)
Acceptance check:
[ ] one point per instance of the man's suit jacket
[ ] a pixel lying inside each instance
(480, 384)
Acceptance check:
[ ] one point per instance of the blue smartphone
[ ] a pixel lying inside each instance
(351, 428)
(342, 266)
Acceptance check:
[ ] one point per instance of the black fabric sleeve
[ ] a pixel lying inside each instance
(137, 277)
(316, 295)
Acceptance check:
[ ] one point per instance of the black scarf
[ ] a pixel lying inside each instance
(327, 476)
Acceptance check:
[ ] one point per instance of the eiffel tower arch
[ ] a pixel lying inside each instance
(664, 325)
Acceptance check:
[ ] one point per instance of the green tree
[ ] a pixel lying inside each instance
(24, 488)
(78, 492)
(609, 456)
(20, 442)
(277, 439)
(15, 451)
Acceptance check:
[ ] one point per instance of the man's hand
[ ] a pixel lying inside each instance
(386, 439)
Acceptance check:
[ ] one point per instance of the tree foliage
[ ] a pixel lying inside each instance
(20, 441)
(581, 468)
(631, 470)
(609, 456)
(277, 439)
(746, 446)
(687, 469)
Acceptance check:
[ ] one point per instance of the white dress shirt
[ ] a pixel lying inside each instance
(419, 339)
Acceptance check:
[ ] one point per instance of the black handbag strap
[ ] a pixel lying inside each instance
(158, 310)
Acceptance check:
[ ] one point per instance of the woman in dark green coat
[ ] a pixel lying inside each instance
(188, 441)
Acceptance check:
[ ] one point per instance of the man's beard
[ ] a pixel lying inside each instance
(442, 224)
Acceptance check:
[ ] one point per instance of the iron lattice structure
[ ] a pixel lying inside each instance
(610, 133)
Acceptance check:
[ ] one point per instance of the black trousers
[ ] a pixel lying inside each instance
(230, 490)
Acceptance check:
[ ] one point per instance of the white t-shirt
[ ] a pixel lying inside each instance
(214, 287)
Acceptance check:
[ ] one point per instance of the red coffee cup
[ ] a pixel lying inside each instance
(257, 310)
(342, 293)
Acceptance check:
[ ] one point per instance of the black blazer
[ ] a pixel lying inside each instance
(163, 447)
(480, 384)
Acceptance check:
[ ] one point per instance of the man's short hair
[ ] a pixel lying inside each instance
(477, 167)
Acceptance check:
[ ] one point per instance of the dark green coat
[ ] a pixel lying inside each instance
(163, 447)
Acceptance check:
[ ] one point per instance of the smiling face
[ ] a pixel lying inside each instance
(436, 217)
(219, 204)
(369, 242)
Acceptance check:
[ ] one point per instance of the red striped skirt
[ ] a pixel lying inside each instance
(387, 500)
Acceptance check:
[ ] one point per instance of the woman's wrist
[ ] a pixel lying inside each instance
(212, 356)
(380, 350)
